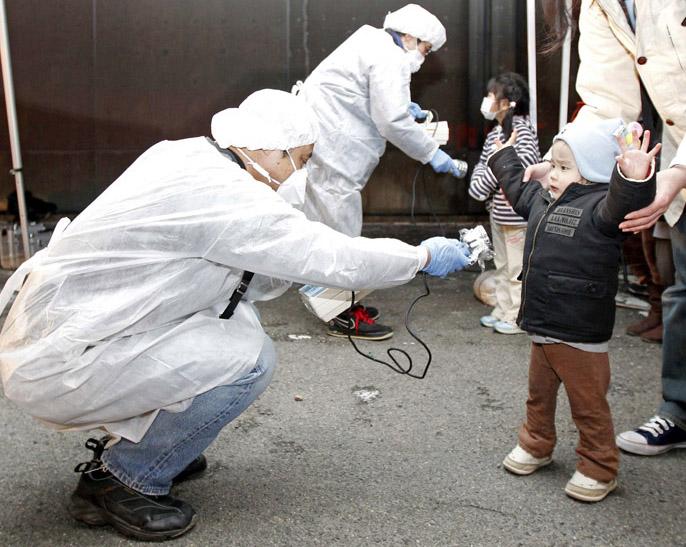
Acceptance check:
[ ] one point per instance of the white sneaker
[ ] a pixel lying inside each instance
(583, 488)
(520, 462)
(505, 327)
(488, 321)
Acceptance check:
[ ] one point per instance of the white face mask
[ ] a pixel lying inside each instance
(486, 106)
(291, 190)
(414, 59)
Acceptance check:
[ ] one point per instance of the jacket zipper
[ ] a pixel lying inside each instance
(533, 246)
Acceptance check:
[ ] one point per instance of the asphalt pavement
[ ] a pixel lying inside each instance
(343, 451)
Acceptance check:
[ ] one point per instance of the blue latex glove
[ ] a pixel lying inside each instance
(447, 255)
(416, 112)
(458, 169)
(442, 162)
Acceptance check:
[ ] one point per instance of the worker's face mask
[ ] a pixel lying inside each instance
(415, 59)
(291, 190)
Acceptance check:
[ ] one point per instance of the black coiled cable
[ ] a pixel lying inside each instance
(396, 366)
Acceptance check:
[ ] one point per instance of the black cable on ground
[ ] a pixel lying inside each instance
(396, 366)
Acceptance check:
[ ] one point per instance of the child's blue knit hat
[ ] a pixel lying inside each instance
(594, 147)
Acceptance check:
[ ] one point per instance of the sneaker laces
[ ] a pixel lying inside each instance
(657, 426)
(98, 447)
(360, 315)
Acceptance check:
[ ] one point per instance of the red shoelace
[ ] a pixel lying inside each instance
(359, 315)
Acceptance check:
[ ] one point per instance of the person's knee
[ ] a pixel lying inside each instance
(266, 361)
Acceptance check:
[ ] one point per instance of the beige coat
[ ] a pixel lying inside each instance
(613, 57)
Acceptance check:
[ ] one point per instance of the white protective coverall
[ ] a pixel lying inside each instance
(118, 318)
(361, 96)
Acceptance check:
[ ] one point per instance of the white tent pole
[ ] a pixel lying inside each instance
(13, 127)
(564, 72)
(531, 51)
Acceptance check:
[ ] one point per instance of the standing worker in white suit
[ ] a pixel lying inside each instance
(361, 96)
(136, 320)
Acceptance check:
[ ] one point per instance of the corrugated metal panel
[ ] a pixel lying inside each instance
(98, 82)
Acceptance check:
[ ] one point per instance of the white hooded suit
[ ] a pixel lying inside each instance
(361, 96)
(119, 317)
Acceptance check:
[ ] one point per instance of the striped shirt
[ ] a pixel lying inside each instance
(484, 186)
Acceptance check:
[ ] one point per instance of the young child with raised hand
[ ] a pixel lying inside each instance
(569, 282)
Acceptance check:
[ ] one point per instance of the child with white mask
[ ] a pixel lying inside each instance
(507, 103)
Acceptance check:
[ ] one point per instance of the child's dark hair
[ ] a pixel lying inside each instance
(511, 86)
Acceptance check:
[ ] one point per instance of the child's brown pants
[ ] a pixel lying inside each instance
(586, 377)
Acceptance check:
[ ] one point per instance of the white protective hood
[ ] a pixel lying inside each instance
(119, 316)
(267, 119)
(420, 23)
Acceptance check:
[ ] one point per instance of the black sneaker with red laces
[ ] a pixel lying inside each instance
(359, 323)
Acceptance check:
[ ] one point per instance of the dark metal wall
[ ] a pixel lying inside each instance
(97, 82)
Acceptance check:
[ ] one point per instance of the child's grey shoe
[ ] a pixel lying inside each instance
(583, 488)
(520, 462)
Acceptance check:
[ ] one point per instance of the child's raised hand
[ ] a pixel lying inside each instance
(499, 144)
(635, 163)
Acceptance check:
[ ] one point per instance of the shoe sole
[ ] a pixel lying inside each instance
(517, 469)
(584, 494)
(645, 449)
(385, 336)
(486, 325)
(509, 332)
(86, 512)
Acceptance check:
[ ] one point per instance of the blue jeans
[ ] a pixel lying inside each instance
(176, 438)
(674, 336)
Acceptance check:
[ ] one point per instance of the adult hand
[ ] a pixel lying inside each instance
(445, 255)
(441, 162)
(459, 169)
(669, 183)
(635, 163)
(417, 112)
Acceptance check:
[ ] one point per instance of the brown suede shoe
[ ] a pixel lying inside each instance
(653, 320)
(653, 335)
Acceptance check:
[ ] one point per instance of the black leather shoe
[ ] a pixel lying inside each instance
(100, 499)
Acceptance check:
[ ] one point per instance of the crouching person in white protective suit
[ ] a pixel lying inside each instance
(130, 320)
(361, 96)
